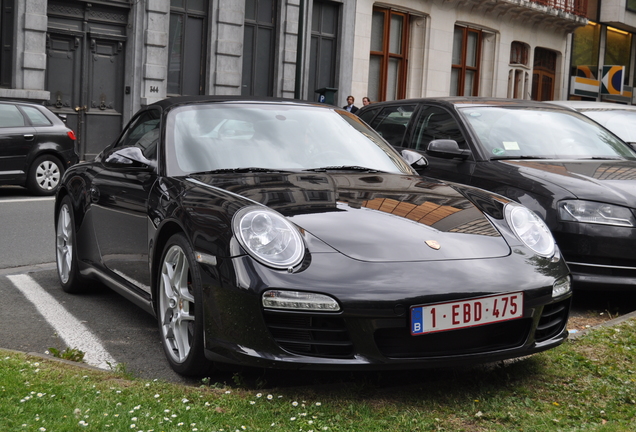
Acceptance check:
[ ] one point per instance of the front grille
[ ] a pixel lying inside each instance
(602, 266)
(398, 342)
(554, 318)
(311, 335)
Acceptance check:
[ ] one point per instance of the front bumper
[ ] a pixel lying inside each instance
(372, 330)
(599, 256)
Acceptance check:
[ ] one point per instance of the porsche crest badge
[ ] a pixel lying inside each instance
(433, 244)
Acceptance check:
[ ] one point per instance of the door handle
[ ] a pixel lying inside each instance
(28, 137)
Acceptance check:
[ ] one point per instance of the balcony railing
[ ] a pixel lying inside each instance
(576, 7)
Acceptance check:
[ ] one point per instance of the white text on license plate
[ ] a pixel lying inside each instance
(466, 313)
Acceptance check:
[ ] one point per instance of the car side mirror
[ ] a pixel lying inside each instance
(414, 159)
(446, 148)
(129, 157)
(632, 145)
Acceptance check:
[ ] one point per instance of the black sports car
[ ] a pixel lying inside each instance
(579, 177)
(288, 234)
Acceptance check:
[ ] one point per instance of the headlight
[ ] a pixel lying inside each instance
(530, 229)
(268, 237)
(596, 213)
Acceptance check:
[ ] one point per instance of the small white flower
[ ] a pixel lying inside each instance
(184, 400)
(295, 403)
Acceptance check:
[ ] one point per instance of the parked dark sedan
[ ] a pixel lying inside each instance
(576, 175)
(36, 147)
(287, 234)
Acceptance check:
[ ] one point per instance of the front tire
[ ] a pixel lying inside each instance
(66, 249)
(180, 309)
(45, 175)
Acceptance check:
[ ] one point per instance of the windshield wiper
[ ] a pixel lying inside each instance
(601, 158)
(239, 170)
(517, 157)
(342, 168)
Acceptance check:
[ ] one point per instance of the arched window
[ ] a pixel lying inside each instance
(519, 74)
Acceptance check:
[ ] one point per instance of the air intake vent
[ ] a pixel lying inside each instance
(553, 320)
(310, 335)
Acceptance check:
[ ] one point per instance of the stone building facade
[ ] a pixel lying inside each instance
(96, 62)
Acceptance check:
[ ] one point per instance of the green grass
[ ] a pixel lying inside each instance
(587, 384)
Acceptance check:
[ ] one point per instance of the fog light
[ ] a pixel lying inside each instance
(561, 286)
(275, 299)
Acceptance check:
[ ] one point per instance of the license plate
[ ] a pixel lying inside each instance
(466, 313)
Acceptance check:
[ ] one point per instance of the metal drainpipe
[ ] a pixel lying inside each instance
(299, 50)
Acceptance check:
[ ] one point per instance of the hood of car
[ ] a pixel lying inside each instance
(376, 217)
(596, 180)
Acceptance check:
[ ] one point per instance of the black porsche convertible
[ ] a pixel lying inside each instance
(286, 234)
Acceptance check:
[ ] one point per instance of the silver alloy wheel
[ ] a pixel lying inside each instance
(176, 305)
(64, 244)
(47, 175)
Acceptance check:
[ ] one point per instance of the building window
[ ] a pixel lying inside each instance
(631, 5)
(388, 58)
(466, 62)
(618, 47)
(519, 53)
(543, 74)
(6, 41)
(258, 48)
(518, 76)
(324, 46)
(186, 47)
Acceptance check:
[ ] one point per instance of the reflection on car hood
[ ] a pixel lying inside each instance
(597, 180)
(376, 217)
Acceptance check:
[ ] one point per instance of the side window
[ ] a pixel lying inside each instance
(437, 123)
(368, 115)
(144, 133)
(10, 116)
(392, 121)
(35, 116)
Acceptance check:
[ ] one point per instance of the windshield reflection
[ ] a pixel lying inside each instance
(514, 133)
(212, 137)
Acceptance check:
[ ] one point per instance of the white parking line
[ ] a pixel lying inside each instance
(72, 331)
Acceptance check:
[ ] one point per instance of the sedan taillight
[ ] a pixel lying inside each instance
(71, 134)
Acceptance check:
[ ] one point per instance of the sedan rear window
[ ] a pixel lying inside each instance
(36, 117)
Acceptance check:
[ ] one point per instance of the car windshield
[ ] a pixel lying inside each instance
(520, 133)
(261, 136)
(620, 122)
